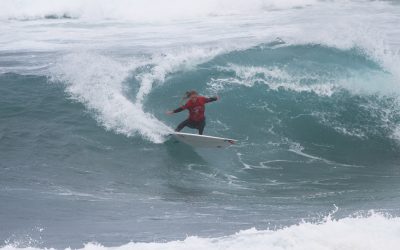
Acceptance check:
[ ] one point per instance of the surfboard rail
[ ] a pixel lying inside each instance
(203, 141)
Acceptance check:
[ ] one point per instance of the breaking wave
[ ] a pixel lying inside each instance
(375, 231)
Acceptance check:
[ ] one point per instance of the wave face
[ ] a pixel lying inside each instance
(86, 161)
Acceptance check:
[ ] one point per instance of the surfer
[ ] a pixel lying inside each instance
(196, 106)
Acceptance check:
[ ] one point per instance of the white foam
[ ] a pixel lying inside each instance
(97, 82)
(274, 77)
(373, 232)
(139, 10)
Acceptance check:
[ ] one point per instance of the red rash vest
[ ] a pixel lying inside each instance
(196, 108)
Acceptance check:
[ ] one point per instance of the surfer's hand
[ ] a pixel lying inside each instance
(218, 98)
(169, 112)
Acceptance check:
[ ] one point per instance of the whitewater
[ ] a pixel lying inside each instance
(309, 88)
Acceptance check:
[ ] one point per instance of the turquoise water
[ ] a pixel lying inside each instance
(86, 160)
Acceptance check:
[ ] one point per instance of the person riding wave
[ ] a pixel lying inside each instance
(196, 106)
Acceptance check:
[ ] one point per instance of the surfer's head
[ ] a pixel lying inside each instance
(191, 94)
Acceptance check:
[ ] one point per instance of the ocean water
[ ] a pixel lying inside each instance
(309, 88)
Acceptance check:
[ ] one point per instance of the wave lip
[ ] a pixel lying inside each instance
(97, 82)
(102, 84)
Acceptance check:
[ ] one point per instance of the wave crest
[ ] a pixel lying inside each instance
(102, 84)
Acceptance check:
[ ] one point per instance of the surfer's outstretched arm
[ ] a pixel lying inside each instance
(176, 110)
(212, 99)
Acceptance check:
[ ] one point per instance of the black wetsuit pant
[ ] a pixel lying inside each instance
(192, 124)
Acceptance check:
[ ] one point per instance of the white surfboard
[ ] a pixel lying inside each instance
(203, 141)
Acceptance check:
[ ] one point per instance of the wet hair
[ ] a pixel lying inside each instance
(187, 96)
(189, 93)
